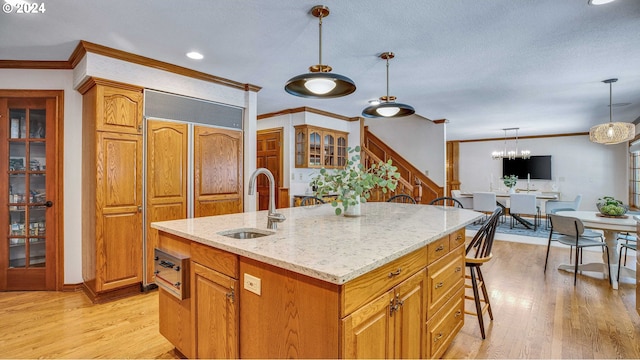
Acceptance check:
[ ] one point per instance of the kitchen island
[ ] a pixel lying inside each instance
(386, 284)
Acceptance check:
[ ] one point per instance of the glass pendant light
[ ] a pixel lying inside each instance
(320, 83)
(612, 132)
(388, 107)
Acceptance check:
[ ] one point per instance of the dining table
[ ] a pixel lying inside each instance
(611, 227)
(505, 205)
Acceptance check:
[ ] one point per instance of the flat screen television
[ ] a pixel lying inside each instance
(538, 167)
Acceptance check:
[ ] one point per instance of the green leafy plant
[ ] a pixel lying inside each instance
(354, 183)
(510, 181)
(609, 206)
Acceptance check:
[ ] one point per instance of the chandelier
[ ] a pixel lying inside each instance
(510, 154)
(612, 132)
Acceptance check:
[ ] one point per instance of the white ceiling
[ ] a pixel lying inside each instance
(482, 65)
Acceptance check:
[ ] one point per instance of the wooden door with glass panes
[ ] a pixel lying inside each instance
(28, 247)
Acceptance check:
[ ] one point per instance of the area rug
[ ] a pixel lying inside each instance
(518, 229)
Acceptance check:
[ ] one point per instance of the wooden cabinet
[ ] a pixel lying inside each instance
(111, 189)
(445, 293)
(218, 171)
(391, 326)
(215, 314)
(29, 190)
(166, 192)
(403, 309)
(317, 147)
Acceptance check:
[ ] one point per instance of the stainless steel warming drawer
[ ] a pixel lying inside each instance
(172, 273)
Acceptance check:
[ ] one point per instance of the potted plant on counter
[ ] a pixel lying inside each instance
(510, 182)
(353, 183)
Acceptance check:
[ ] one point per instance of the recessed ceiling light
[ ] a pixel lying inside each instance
(374, 102)
(599, 2)
(195, 55)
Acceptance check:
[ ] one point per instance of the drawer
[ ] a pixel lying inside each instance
(445, 325)
(444, 278)
(437, 249)
(218, 260)
(369, 286)
(171, 273)
(456, 238)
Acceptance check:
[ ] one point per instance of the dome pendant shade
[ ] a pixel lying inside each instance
(612, 132)
(320, 83)
(387, 107)
(306, 85)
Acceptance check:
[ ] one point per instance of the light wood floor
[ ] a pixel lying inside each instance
(535, 316)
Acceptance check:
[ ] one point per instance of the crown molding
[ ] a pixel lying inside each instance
(522, 137)
(35, 64)
(85, 47)
(307, 109)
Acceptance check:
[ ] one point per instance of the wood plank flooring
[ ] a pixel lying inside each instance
(544, 316)
(535, 316)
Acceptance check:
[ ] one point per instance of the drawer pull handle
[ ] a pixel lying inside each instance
(459, 237)
(439, 285)
(167, 264)
(395, 273)
(458, 268)
(440, 248)
(438, 337)
(458, 313)
(177, 285)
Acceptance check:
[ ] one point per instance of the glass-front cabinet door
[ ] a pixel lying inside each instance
(28, 250)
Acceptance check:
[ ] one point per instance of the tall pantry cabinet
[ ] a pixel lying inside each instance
(111, 188)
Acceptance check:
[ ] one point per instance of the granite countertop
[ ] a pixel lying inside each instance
(313, 241)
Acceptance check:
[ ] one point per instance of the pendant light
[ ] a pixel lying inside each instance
(388, 107)
(320, 83)
(612, 132)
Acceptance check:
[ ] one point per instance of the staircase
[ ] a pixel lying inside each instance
(412, 181)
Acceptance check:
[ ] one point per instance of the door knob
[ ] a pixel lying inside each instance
(49, 203)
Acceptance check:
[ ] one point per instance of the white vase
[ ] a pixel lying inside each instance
(512, 190)
(353, 210)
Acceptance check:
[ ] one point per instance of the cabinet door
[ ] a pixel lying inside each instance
(329, 149)
(301, 148)
(218, 172)
(167, 149)
(215, 314)
(410, 317)
(119, 110)
(369, 332)
(341, 150)
(29, 203)
(315, 148)
(119, 205)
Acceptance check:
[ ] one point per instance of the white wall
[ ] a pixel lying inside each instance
(578, 166)
(72, 148)
(297, 179)
(418, 140)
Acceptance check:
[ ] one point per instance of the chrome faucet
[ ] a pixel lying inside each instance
(273, 218)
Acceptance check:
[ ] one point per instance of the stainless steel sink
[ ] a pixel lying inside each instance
(245, 233)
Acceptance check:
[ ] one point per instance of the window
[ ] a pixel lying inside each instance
(634, 177)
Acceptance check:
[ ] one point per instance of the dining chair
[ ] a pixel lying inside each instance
(484, 202)
(570, 230)
(402, 198)
(478, 252)
(524, 204)
(466, 201)
(627, 238)
(311, 200)
(446, 201)
(553, 206)
(625, 246)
